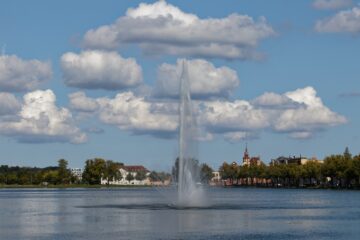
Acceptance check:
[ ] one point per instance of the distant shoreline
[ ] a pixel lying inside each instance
(293, 187)
(98, 186)
(74, 186)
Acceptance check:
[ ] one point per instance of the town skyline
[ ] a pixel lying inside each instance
(73, 85)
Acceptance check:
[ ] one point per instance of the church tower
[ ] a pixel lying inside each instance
(246, 157)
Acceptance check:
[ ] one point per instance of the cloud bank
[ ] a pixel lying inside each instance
(300, 114)
(161, 28)
(100, 70)
(39, 121)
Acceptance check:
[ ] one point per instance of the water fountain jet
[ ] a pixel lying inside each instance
(189, 194)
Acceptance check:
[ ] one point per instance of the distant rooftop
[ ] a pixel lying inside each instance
(135, 168)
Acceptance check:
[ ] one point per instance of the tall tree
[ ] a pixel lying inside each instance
(229, 172)
(336, 167)
(206, 173)
(311, 171)
(94, 170)
(112, 172)
(63, 172)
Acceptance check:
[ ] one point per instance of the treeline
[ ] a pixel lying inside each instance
(336, 171)
(94, 170)
(98, 168)
(35, 176)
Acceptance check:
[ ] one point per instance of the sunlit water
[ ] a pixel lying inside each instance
(145, 214)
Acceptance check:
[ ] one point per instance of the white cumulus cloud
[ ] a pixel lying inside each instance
(331, 4)
(18, 75)
(300, 114)
(40, 120)
(161, 28)
(343, 21)
(100, 70)
(206, 80)
(239, 115)
(133, 113)
(312, 115)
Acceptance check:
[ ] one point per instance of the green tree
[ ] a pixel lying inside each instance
(2, 178)
(51, 176)
(311, 171)
(262, 171)
(257, 172)
(64, 173)
(252, 173)
(112, 172)
(94, 170)
(206, 173)
(140, 175)
(274, 173)
(293, 174)
(229, 172)
(243, 173)
(129, 177)
(11, 178)
(356, 167)
(24, 176)
(38, 177)
(336, 167)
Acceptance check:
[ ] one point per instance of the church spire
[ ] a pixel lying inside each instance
(246, 158)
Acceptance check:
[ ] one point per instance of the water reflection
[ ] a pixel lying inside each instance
(145, 214)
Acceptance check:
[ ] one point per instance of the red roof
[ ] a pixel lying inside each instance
(135, 168)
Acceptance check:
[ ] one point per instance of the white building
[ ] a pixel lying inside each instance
(216, 179)
(77, 172)
(133, 170)
(216, 176)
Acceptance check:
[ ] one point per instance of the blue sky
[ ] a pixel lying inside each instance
(282, 76)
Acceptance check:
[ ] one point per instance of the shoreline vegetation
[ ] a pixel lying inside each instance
(97, 173)
(99, 186)
(341, 171)
(62, 186)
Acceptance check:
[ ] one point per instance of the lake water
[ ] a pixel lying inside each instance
(145, 213)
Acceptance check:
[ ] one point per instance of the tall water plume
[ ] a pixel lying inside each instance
(189, 194)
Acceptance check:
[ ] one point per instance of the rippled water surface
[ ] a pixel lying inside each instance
(147, 213)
